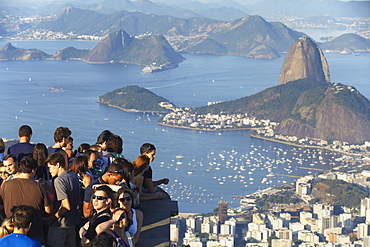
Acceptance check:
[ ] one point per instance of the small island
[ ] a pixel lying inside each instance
(136, 99)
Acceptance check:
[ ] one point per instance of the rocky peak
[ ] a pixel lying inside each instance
(304, 59)
(8, 47)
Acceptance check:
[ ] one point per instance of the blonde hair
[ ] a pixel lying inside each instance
(7, 227)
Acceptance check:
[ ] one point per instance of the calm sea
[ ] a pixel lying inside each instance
(215, 165)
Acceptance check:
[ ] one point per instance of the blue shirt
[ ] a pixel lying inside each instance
(18, 240)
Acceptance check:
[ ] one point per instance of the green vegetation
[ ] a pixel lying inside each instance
(71, 53)
(337, 192)
(349, 42)
(9, 52)
(134, 98)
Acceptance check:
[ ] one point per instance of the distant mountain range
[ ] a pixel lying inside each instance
(226, 10)
(251, 36)
(152, 51)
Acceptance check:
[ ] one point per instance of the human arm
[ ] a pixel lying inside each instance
(105, 226)
(161, 181)
(139, 219)
(87, 180)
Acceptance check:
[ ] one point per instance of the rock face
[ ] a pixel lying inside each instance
(304, 60)
(120, 47)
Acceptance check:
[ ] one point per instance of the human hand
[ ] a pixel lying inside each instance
(165, 181)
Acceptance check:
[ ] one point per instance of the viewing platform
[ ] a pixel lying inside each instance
(155, 231)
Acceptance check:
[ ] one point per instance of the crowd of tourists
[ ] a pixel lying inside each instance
(56, 196)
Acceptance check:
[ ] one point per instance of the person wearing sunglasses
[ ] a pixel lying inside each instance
(101, 201)
(150, 151)
(113, 176)
(125, 200)
(118, 226)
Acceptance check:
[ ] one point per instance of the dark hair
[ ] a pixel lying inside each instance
(103, 137)
(83, 147)
(27, 165)
(10, 156)
(140, 164)
(114, 144)
(121, 191)
(129, 219)
(146, 147)
(79, 164)
(40, 153)
(107, 190)
(2, 146)
(103, 240)
(60, 133)
(25, 130)
(127, 166)
(22, 215)
(55, 158)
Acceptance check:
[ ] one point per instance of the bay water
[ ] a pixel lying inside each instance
(213, 166)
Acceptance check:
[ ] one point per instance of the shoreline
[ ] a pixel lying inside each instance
(129, 110)
(198, 129)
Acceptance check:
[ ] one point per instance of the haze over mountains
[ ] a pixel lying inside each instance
(226, 10)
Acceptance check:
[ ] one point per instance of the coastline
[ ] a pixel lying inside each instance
(199, 129)
(303, 146)
(129, 110)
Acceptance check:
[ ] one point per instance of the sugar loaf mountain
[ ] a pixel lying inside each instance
(152, 51)
(306, 103)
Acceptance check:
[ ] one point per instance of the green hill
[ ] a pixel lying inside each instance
(71, 53)
(337, 192)
(9, 52)
(120, 47)
(307, 108)
(134, 98)
(347, 43)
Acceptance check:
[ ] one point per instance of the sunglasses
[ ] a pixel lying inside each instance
(150, 148)
(123, 199)
(120, 171)
(100, 198)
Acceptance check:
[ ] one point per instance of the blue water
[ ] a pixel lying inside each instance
(26, 98)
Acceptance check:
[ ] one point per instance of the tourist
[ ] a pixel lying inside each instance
(24, 147)
(23, 220)
(141, 165)
(113, 176)
(61, 138)
(104, 240)
(65, 216)
(102, 141)
(114, 146)
(124, 200)
(118, 226)
(3, 172)
(2, 149)
(69, 147)
(10, 163)
(101, 202)
(40, 153)
(7, 227)
(81, 149)
(28, 192)
(80, 167)
(149, 150)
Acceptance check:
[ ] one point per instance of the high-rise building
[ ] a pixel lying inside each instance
(362, 230)
(222, 211)
(174, 230)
